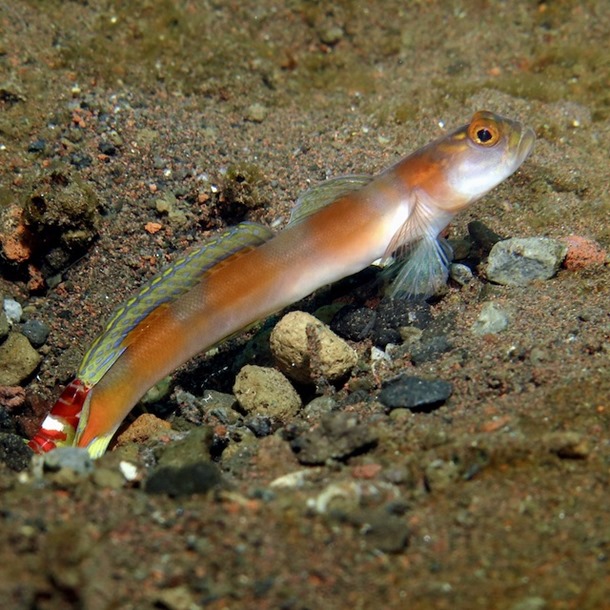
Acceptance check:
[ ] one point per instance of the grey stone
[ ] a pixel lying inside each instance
(339, 436)
(36, 331)
(519, 261)
(460, 274)
(76, 459)
(492, 319)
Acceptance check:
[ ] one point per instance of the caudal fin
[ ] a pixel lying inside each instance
(59, 426)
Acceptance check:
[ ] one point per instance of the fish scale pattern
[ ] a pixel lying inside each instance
(172, 282)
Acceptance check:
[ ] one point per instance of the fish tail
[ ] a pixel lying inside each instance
(59, 426)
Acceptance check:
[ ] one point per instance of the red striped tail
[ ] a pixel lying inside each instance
(59, 426)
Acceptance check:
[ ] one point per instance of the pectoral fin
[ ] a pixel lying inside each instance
(424, 270)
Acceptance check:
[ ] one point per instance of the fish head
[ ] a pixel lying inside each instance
(480, 155)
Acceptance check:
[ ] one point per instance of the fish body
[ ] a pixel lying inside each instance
(337, 229)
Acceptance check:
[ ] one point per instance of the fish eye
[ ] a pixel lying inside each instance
(484, 135)
(484, 132)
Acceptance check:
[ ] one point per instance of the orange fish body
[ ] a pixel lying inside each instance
(337, 229)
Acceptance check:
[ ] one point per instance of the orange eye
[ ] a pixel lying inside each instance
(484, 132)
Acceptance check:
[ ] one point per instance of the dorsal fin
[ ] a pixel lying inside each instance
(323, 194)
(172, 282)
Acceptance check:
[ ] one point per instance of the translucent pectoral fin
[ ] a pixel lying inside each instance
(424, 270)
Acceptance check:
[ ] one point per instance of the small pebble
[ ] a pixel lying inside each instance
(108, 478)
(14, 453)
(37, 146)
(194, 447)
(195, 478)
(429, 348)
(568, 445)
(256, 113)
(331, 35)
(519, 261)
(7, 422)
(492, 319)
(305, 349)
(339, 436)
(265, 391)
(76, 459)
(176, 598)
(144, 428)
(385, 532)
(461, 274)
(393, 315)
(107, 148)
(12, 397)
(261, 425)
(415, 393)
(441, 474)
(80, 160)
(318, 407)
(129, 470)
(18, 360)
(36, 331)
(583, 253)
(13, 311)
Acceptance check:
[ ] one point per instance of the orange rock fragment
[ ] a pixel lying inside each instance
(583, 253)
(495, 424)
(145, 427)
(153, 227)
(366, 471)
(36, 282)
(15, 245)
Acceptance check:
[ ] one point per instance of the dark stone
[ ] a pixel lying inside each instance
(383, 530)
(353, 323)
(14, 452)
(7, 422)
(388, 534)
(482, 236)
(197, 478)
(460, 247)
(394, 314)
(80, 160)
(107, 148)
(415, 393)
(37, 146)
(261, 425)
(430, 349)
(338, 437)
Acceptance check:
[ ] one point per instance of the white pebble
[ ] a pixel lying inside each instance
(13, 311)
